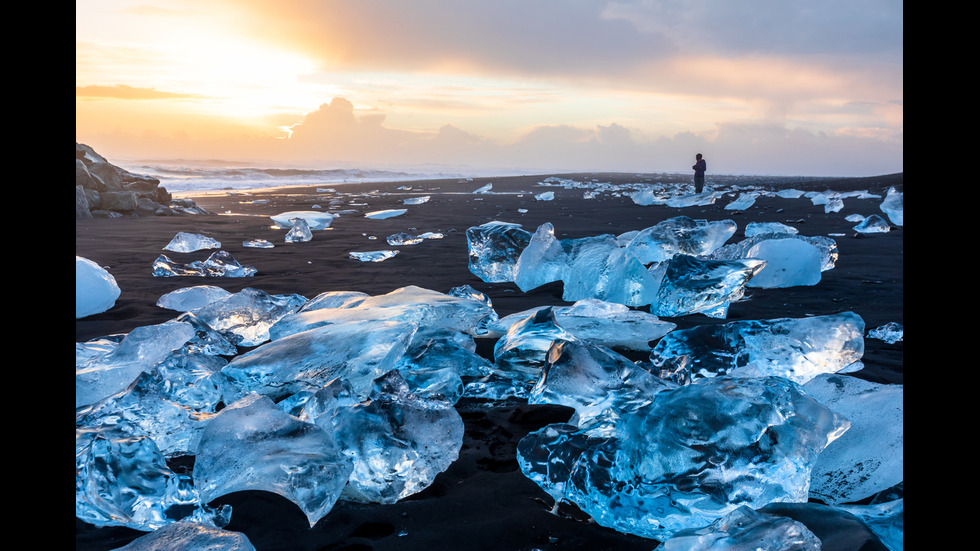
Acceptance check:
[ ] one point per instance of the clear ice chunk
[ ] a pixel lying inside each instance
(299, 231)
(382, 214)
(192, 298)
(248, 314)
(102, 375)
(745, 529)
(545, 196)
(404, 238)
(124, 480)
(689, 285)
(869, 458)
(436, 362)
(733, 251)
(219, 264)
(416, 200)
(758, 228)
(745, 200)
(185, 242)
(607, 323)
(794, 348)
(693, 455)
(789, 263)
(335, 299)
(873, 224)
(680, 235)
(398, 441)
(892, 206)
(373, 256)
(494, 249)
(314, 219)
(359, 351)
(95, 289)
(258, 244)
(190, 535)
(542, 261)
(254, 445)
(598, 268)
(890, 332)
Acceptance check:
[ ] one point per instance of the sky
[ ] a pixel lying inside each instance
(764, 87)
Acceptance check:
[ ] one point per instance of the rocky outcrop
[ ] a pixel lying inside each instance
(103, 190)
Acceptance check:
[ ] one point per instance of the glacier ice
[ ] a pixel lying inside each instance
(207, 341)
(680, 235)
(416, 200)
(372, 256)
(258, 244)
(757, 228)
(254, 445)
(873, 224)
(542, 261)
(890, 332)
(745, 529)
(598, 268)
(191, 298)
(494, 249)
(545, 196)
(248, 314)
(398, 441)
(689, 285)
(299, 231)
(437, 360)
(190, 535)
(185, 242)
(334, 299)
(607, 323)
(892, 206)
(95, 289)
(314, 219)
(789, 263)
(826, 246)
(794, 348)
(382, 214)
(691, 456)
(124, 480)
(744, 201)
(220, 264)
(869, 458)
(102, 375)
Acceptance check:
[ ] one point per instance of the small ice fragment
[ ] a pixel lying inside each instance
(95, 289)
(300, 232)
(891, 332)
(382, 214)
(416, 200)
(185, 242)
(258, 244)
(373, 256)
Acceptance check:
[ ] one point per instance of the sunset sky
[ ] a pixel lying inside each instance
(781, 87)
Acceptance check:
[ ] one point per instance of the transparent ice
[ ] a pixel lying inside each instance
(382, 214)
(873, 224)
(826, 246)
(191, 298)
(744, 201)
(314, 219)
(789, 263)
(494, 249)
(546, 196)
(680, 235)
(688, 285)
(691, 456)
(404, 238)
(794, 348)
(95, 289)
(373, 256)
(247, 315)
(220, 264)
(299, 231)
(254, 445)
(890, 332)
(598, 268)
(258, 244)
(416, 200)
(745, 529)
(756, 228)
(185, 242)
(892, 206)
(868, 459)
(190, 535)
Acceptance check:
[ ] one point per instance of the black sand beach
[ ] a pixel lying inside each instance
(482, 502)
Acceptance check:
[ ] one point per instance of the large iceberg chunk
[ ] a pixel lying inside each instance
(680, 235)
(249, 314)
(826, 246)
(689, 285)
(542, 261)
(494, 249)
(254, 445)
(192, 298)
(892, 206)
(794, 348)
(95, 289)
(598, 268)
(691, 456)
(869, 458)
(185, 242)
(789, 263)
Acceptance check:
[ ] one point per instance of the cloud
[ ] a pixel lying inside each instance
(122, 91)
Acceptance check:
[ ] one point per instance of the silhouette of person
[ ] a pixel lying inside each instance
(699, 167)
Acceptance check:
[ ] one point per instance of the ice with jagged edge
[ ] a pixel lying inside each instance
(680, 235)
(187, 534)
(598, 268)
(741, 249)
(258, 244)
(383, 214)
(688, 285)
(607, 323)
(110, 370)
(797, 349)
(891, 332)
(96, 289)
(745, 529)
(885, 515)
(124, 480)
(416, 200)
(299, 231)
(541, 261)
(185, 242)
(743, 202)
(869, 458)
(892, 206)
(873, 224)
(494, 249)
(220, 264)
(691, 456)
(789, 263)
(598, 383)
(248, 314)
(170, 402)
(192, 298)
(252, 444)
(359, 351)
(438, 360)
(398, 441)
(462, 311)
(372, 256)
(758, 228)
(316, 220)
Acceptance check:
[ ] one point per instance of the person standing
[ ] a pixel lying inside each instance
(699, 167)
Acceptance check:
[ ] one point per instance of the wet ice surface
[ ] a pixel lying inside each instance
(366, 385)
